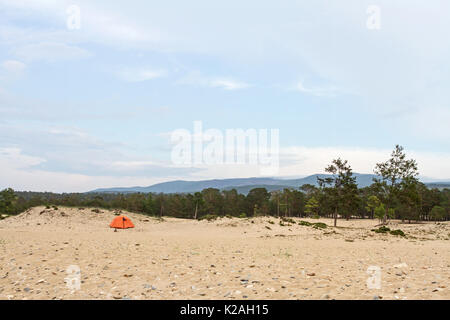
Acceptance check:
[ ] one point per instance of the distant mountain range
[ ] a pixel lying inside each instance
(244, 185)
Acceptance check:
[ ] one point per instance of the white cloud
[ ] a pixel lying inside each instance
(39, 180)
(228, 84)
(50, 51)
(11, 70)
(13, 158)
(310, 160)
(304, 161)
(32, 4)
(100, 23)
(225, 83)
(20, 171)
(317, 91)
(132, 164)
(139, 75)
(13, 66)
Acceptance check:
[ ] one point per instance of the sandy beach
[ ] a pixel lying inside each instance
(222, 259)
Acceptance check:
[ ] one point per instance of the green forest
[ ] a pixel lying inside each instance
(396, 195)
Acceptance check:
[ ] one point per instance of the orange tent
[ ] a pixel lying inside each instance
(121, 222)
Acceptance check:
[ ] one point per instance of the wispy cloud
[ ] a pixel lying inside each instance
(99, 24)
(308, 160)
(225, 83)
(139, 74)
(50, 51)
(330, 91)
(11, 70)
(228, 84)
(13, 66)
(13, 157)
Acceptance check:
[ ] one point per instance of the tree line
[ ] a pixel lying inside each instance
(397, 194)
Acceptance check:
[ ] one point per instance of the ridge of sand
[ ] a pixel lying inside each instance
(222, 259)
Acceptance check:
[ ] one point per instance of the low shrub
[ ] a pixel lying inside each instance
(398, 233)
(319, 225)
(209, 217)
(382, 229)
(315, 225)
(289, 220)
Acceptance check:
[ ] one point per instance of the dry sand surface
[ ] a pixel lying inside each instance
(221, 259)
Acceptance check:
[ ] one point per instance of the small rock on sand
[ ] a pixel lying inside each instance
(401, 265)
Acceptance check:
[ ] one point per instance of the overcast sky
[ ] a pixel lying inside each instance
(93, 104)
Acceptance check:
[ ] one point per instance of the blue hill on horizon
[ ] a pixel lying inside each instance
(241, 184)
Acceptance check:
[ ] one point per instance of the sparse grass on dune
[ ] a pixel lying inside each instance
(223, 258)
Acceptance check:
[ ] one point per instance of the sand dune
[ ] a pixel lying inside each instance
(222, 259)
